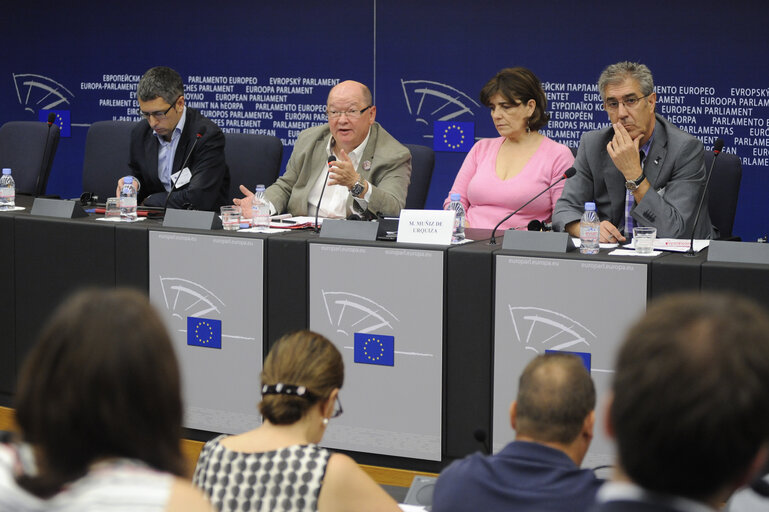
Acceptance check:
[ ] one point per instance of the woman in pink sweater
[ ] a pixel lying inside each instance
(499, 175)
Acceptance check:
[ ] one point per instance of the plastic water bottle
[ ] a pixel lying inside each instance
(260, 209)
(589, 230)
(7, 190)
(128, 199)
(459, 219)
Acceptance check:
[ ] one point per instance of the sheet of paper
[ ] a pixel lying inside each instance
(632, 252)
(577, 243)
(118, 219)
(678, 245)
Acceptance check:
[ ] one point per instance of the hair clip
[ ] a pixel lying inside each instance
(287, 389)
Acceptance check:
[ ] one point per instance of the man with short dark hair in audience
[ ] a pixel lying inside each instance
(690, 406)
(553, 417)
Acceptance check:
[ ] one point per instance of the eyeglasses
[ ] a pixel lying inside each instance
(337, 408)
(351, 114)
(628, 103)
(159, 115)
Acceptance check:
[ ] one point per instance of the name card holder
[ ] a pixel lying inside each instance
(349, 229)
(537, 241)
(60, 208)
(191, 219)
(738, 252)
(426, 226)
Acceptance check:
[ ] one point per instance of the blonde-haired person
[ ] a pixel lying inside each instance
(279, 466)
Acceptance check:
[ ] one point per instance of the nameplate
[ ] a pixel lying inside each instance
(539, 241)
(61, 208)
(426, 226)
(738, 252)
(191, 219)
(348, 229)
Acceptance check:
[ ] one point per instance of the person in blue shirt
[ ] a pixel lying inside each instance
(553, 416)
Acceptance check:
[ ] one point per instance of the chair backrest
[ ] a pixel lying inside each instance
(23, 148)
(422, 165)
(107, 147)
(723, 191)
(252, 159)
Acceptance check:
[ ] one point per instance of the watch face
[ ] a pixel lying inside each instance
(357, 189)
(634, 184)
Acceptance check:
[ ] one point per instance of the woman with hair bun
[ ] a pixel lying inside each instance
(279, 465)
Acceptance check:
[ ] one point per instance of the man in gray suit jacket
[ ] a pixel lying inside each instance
(666, 181)
(369, 170)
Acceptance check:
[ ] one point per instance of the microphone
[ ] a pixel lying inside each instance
(201, 132)
(717, 147)
(571, 171)
(51, 119)
(331, 158)
(480, 435)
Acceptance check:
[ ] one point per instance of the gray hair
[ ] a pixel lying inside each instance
(618, 72)
(160, 81)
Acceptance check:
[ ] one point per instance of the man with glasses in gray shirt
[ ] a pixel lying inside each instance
(369, 171)
(161, 142)
(640, 171)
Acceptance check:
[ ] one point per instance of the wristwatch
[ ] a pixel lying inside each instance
(357, 189)
(634, 184)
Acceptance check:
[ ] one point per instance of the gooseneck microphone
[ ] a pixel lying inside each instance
(331, 158)
(51, 119)
(571, 171)
(718, 146)
(201, 132)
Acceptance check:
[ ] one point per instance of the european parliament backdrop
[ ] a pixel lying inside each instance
(266, 67)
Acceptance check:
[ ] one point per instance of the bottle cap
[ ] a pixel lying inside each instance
(128, 180)
(590, 206)
(6, 170)
(456, 197)
(259, 187)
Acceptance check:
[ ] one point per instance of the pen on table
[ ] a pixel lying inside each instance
(287, 221)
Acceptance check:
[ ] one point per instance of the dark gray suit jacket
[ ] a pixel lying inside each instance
(208, 188)
(675, 168)
(389, 173)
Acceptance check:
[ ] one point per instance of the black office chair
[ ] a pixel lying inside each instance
(723, 191)
(422, 165)
(253, 159)
(106, 157)
(23, 148)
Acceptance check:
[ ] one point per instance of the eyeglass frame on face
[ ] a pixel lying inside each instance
(159, 115)
(351, 114)
(628, 103)
(337, 411)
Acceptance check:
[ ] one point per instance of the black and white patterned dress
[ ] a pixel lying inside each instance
(284, 479)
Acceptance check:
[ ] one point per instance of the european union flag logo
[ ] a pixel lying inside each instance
(585, 356)
(453, 136)
(63, 120)
(374, 349)
(204, 332)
